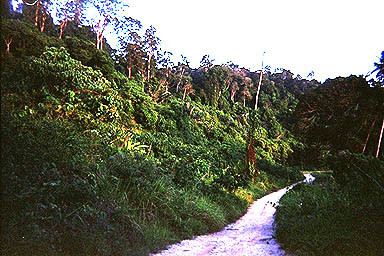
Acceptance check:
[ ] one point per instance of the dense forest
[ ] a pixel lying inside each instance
(119, 151)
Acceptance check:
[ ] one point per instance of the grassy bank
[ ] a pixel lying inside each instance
(201, 214)
(67, 192)
(123, 206)
(328, 219)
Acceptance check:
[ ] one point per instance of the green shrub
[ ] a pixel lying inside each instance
(279, 171)
(359, 172)
(325, 219)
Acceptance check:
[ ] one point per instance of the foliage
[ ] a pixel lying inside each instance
(85, 51)
(380, 69)
(21, 32)
(100, 159)
(361, 173)
(341, 115)
(325, 219)
(63, 86)
(103, 160)
(279, 171)
(49, 199)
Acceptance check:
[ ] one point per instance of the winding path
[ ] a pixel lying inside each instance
(250, 235)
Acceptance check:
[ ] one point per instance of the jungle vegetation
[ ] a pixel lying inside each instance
(120, 151)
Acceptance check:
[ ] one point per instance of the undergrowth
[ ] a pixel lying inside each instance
(330, 219)
(97, 164)
(65, 197)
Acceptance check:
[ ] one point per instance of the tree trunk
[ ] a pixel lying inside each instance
(369, 134)
(244, 102)
(63, 25)
(258, 88)
(181, 77)
(43, 19)
(233, 93)
(78, 14)
(185, 91)
(8, 43)
(129, 71)
(99, 36)
(37, 14)
(380, 137)
(99, 39)
(149, 66)
(167, 78)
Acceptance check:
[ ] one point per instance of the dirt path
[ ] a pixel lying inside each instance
(250, 235)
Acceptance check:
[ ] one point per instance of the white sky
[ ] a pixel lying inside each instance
(331, 37)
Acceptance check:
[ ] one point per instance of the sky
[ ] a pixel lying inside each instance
(329, 37)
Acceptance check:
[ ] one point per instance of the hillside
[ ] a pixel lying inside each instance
(120, 152)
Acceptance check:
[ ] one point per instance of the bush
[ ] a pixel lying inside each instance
(279, 171)
(359, 172)
(324, 219)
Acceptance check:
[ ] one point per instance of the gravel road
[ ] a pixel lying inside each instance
(250, 235)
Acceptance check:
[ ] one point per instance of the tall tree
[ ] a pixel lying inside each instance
(260, 81)
(79, 6)
(65, 13)
(341, 113)
(108, 12)
(369, 134)
(165, 64)
(8, 43)
(68, 11)
(180, 70)
(44, 14)
(380, 76)
(188, 89)
(380, 137)
(134, 58)
(37, 11)
(234, 89)
(130, 43)
(151, 42)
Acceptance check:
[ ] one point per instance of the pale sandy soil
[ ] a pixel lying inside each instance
(250, 235)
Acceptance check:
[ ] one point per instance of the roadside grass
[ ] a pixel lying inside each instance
(326, 219)
(134, 221)
(195, 213)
